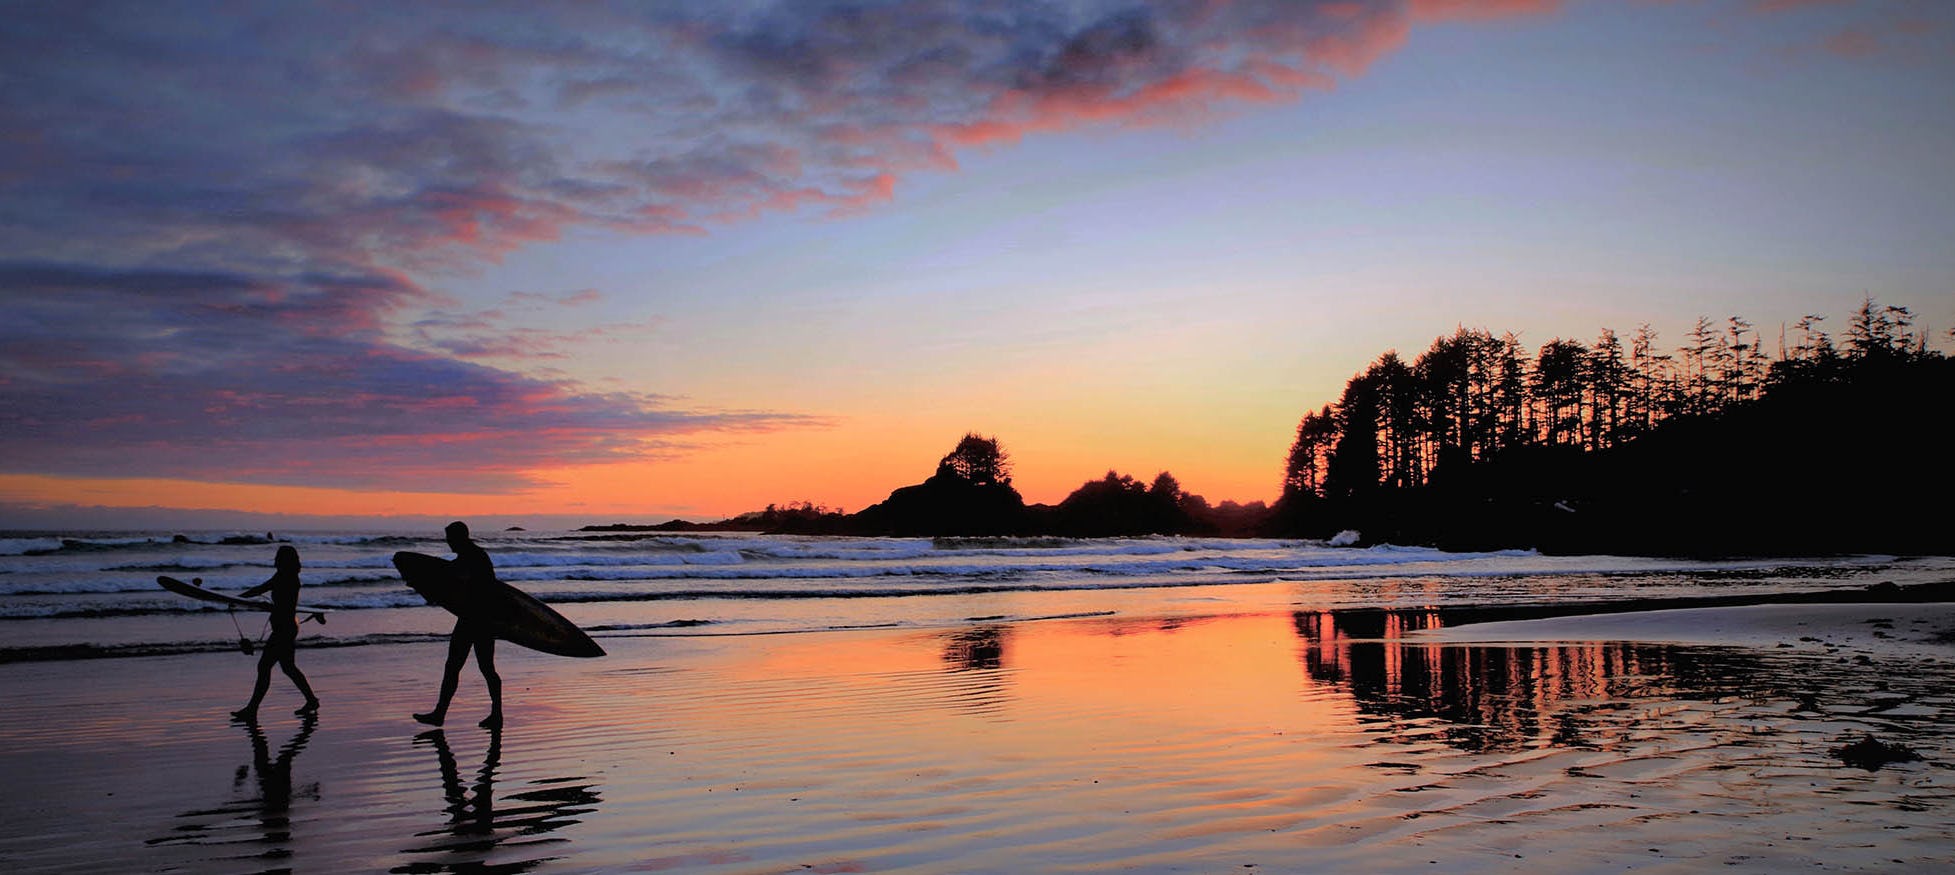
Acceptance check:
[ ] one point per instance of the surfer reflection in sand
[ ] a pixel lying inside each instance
(481, 836)
(472, 563)
(282, 648)
(471, 812)
(261, 822)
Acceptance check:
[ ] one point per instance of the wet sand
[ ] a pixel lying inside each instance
(1853, 629)
(1259, 741)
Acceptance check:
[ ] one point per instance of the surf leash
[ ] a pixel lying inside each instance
(244, 643)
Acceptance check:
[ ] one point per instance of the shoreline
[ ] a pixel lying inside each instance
(399, 628)
(1893, 628)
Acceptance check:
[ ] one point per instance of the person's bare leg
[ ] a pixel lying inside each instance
(291, 665)
(451, 674)
(485, 659)
(258, 689)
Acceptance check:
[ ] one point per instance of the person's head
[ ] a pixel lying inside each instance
(457, 533)
(286, 559)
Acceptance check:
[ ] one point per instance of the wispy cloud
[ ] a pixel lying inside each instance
(508, 333)
(294, 131)
(1857, 29)
(243, 379)
(1769, 6)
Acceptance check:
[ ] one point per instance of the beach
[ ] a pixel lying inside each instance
(1238, 737)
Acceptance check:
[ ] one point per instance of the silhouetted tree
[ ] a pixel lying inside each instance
(1166, 488)
(1605, 390)
(1116, 504)
(1813, 358)
(1303, 472)
(978, 460)
(1352, 470)
(1743, 364)
(1879, 333)
(1558, 393)
(1700, 367)
(794, 518)
(1511, 406)
(1399, 428)
(1448, 396)
(1649, 383)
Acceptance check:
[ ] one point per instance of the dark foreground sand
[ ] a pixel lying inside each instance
(1252, 742)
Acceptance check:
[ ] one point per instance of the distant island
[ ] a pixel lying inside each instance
(1716, 450)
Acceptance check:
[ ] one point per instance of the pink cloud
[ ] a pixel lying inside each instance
(271, 397)
(1853, 43)
(1771, 6)
(437, 137)
(1480, 10)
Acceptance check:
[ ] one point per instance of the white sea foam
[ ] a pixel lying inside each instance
(90, 576)
(23, 546)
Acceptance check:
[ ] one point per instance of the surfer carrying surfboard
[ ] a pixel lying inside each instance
(282, 648)
(472, 564)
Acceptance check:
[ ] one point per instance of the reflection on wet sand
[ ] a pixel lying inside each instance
(263, 819)
(477, 829)
(977, 649)
(1253, 741)
(978, 656)
(1484, 699)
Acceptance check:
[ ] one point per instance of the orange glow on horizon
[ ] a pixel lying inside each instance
(848, 467)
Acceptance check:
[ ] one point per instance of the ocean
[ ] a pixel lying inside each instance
(94, 594)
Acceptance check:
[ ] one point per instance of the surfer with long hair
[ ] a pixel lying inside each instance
(472, 564)
(281, 648)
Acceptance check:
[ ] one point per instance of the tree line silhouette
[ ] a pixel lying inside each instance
(1715, 448)
(1625, 448)
(1473, 396)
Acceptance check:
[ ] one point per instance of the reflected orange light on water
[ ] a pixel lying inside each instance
(1169, 677)
(1175, 679)
(1507, 696)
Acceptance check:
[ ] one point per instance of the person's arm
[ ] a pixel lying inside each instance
(260, 589)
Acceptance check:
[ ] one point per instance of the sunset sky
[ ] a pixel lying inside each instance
(596, 262)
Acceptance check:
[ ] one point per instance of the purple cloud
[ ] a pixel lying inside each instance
(234, 378)
(213, 215)
(459, 131)
(505, 333)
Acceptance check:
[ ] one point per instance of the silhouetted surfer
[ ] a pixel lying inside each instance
(472, 563)
(282, 647)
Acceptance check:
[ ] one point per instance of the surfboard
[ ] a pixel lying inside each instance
(509, 613)
(192, 590)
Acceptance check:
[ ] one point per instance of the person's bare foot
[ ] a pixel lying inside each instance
(311, 707)
(248, 714)
(431, 718)
(493, 721)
